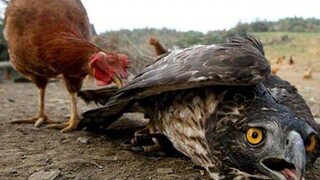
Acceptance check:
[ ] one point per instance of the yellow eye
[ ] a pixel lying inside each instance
(311, 143)
(254, 136)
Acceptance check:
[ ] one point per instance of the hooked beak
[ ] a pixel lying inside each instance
(291, 163)
(117, 80)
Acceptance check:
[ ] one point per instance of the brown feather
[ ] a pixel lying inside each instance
(51, 37)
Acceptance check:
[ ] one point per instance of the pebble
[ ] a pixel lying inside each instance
(11, 100)
(82, 140)
(45, 175)
(165, 170)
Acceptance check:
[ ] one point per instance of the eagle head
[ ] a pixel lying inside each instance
(265, 139)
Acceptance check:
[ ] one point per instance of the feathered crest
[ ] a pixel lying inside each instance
(250, 39)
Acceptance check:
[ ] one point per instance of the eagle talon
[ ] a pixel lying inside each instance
(132, 146)
(127, 144)
(143, 140)
(137, 149)
(142, 143)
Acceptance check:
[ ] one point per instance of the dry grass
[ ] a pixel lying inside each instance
(304, 48)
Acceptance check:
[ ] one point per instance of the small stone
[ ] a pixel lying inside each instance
(11, 100)
(48, 161)
(98, 165)
(23, 157)
(165, 170)
(45, 175)
(110, 158)
(83, 140)
(65, 141)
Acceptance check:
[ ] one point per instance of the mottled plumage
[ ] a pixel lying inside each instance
(220, 106)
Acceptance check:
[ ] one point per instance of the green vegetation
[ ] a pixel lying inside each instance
(283, 25)
(296, 37)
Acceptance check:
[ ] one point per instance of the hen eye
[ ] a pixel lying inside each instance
(254, 136)
(311, 143)
(111, 61)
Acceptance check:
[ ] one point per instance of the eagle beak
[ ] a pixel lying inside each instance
(295, 153)
(117, 80)
(291, 163)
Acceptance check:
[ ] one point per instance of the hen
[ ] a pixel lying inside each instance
(51, 37)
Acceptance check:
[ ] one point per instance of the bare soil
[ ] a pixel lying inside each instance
(38, 153)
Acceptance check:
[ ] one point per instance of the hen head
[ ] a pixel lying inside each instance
(108, 67)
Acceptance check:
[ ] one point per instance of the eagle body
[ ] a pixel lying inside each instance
(220, 106)
(196, 121)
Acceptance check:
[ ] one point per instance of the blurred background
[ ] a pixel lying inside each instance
(289, 31)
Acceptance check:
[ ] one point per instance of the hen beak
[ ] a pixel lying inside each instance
(117, 80)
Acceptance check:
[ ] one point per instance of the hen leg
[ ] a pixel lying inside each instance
(73, 121)
(73, 85)
(40, 118)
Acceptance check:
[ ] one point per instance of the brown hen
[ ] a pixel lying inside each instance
(51, 37)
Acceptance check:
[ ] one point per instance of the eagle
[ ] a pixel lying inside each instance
(220, 106)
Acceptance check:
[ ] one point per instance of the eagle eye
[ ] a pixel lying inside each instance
(311, 143)
(254, 135)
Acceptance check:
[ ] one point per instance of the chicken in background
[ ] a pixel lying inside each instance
(280, 59)
(291, 62)
(47, 38)
(158, 47)
(307, 74)
(275, 68)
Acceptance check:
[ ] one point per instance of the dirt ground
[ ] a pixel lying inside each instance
(38, 153)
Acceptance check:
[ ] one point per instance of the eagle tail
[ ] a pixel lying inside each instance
(102, 118)
(99, 96)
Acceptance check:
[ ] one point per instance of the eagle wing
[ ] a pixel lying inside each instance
(239, 61)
